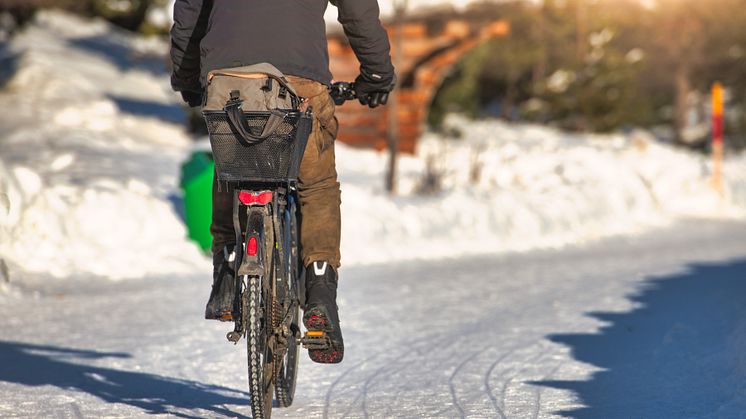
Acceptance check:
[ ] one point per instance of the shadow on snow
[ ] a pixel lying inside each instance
(8, 64)
(120, 53)
(166, 112)
(680, 353)
(39, 365)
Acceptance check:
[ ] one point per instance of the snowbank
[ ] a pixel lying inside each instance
(90, 146)
(532, 187)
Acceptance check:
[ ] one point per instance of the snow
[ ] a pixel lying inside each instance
(92, 188)
(644, 327)
(537, 187)
(647, 323)
(88, 165)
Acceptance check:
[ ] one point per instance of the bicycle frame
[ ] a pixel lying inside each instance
(267, 283)
(267, 266)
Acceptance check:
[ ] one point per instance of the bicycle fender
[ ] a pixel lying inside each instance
(254, 264)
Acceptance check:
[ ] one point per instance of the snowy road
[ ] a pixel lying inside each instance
(646, 327)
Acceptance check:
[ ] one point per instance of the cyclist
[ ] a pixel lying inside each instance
(291, 35)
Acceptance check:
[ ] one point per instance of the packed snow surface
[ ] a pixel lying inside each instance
(92, 138)
(506, 187)
(651, 326)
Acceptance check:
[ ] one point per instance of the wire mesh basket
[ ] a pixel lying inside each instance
(275, 159)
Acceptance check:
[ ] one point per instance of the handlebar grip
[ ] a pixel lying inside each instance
(342, 92)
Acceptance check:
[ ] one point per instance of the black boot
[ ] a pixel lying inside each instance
(222, 296)
(321, 312)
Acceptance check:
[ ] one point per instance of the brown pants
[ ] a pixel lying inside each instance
(318, 188)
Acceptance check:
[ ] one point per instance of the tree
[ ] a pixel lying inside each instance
(679, 45)
(129, 14)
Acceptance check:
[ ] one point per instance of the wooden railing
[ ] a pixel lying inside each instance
(425, 61)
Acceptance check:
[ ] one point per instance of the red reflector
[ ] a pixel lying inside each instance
(251, 248)
(246, 198)
(264, 198)
(261, 198)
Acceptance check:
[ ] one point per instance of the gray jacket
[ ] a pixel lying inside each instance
(290, 34)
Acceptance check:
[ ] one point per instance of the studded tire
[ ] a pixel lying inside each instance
(260, 348)
(287, 370)
(287, 364)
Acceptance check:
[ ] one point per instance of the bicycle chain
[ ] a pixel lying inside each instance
(277, 315)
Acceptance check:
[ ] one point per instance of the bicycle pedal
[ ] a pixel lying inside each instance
(316, 340)
(226, 316)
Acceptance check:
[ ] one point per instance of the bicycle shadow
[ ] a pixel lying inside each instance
(41, 365)
(680, 353)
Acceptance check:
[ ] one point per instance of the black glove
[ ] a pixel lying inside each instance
(192, 98)
(372, 92)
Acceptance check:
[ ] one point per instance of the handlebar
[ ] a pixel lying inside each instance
(342, 91)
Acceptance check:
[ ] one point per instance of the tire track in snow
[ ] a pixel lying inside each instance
(518, 371)
(538, 390)
(420, 351)
(328, 397)
(488, 387)
(413, 350)
(455, 372)
(330, 391)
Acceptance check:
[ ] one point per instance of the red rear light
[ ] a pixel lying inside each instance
(245, 197)
(264, 198)
(251, 247)
(249, 198)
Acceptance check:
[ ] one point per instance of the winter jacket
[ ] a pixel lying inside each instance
(290, 34)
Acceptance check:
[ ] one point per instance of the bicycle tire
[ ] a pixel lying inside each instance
(258, 346)
(260, 341)
(287, 370)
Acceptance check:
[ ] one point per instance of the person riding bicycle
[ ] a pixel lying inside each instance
(291, 35)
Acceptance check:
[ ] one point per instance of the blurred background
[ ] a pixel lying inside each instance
(539, 159)
(554, 122)
(581, 65)
(493, 96)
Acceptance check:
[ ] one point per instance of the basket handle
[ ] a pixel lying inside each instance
(238, 122)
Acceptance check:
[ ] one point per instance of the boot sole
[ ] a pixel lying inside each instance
(316, 321)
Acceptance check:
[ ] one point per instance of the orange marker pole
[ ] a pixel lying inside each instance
(718, 124)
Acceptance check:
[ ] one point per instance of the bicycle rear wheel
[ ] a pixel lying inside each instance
(287, 370)
(260, 349)
(260, 332)
(288, 364)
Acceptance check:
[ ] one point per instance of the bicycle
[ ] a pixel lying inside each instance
(269, 291)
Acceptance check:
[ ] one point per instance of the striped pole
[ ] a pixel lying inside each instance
(718, 124)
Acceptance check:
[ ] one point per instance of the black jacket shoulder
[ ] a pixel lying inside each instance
(290, 34)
